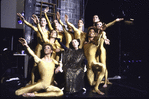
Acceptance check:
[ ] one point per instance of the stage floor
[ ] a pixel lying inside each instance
(119, 88)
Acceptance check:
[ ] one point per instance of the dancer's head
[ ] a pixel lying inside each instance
(55, 25)
(100, 26)
(48, 49)
(95, 18)
(91, 32)
(80, 23)
(75, 43)
(53, 34)
(43, 22)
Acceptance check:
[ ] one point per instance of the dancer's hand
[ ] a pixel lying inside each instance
(85, 69)
(46, 9)
(66, 18)
(35, 19)
(23, 42)
(119, 19)
(21, 17)
(59, 68)
(107, 41)
(61, 65)
(58, 15)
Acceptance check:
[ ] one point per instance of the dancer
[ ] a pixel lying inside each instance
(78, 33)
(46, 67)
(56, 25)
(96, 19)
(51, 40)
(74, 67)
(90, 49)
(68, 34)
(38, 48)
(101, 50)
(57, 28)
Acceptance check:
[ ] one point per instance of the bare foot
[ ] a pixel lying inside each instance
(28, 95)
(105, 85)
(109, 82)
(98, 92)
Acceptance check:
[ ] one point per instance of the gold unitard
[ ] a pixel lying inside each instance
(78, 34)
(90, 50)
(102, 53)
(46, 71)
(69, 36)
(38, 46)
(60, 35)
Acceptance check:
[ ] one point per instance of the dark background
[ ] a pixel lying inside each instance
(133, 37)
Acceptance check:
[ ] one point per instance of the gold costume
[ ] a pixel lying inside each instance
(90, 50)
(60, 35)
(69, 36)
(46, 40)
(38, 47)
(39, 38)
(102, 53)
(78, 34)
(46, 71)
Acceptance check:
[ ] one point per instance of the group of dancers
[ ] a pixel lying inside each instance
(68, 50)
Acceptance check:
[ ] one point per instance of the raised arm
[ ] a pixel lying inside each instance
(27, 23)
(62, 45)
(36, 20)
(68, 35)
(107, 41)
(24, 43)
(49, 23)
(70, 24)
(113, 22)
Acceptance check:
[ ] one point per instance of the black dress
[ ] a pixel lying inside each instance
(73, 67)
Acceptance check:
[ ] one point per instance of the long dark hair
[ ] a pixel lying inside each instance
(71, 46)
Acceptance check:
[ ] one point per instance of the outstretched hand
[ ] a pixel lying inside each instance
(21, 17)
(23, 42)
(66, 18)
(107, 41)
(119, 19)
(58, 15)
(35, 19)
(46, 9)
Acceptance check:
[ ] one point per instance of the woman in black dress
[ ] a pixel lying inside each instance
(74, 65)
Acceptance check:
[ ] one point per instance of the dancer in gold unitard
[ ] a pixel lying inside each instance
(101, 50)
(56, 26)
(46, 67)
(96, 19)
(78, 33)
(90, 49)
(38, 48)
(51, 39)
(69, 36)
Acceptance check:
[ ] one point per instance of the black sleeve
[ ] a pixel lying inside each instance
(63, 46)
(85, 61)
